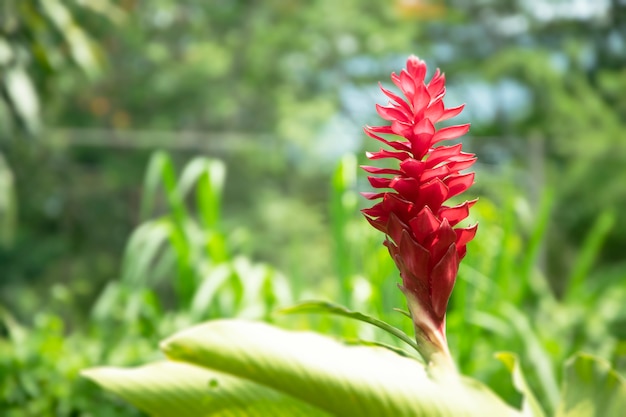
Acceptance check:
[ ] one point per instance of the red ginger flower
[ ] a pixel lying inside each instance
(421, 237)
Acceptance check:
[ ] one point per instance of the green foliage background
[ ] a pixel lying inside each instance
(278, 91)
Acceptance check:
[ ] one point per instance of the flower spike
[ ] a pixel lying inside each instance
(413, 214)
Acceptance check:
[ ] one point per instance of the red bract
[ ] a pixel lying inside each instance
(421, 237)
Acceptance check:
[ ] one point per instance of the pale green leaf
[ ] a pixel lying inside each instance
(8, 204)
(591, 388)
(143, 249)
(530, 405)
(81, 48)
(209, 287)
(342, 380)
(181, 390)
(6, 52)
(23, 97)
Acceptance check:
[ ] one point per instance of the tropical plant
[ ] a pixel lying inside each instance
(242, 368)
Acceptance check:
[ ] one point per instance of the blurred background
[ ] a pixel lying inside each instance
(166, 162)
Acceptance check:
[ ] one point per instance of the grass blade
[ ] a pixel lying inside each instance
(330, 308)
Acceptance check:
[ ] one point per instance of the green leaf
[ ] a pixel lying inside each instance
(588, 255)
(82, 50)
(161, 171)
(23, 97)
(142, 251)
(591, 388)
(8, 204)
(326, 374)
(343, 207)
(535, 352)
(361, 342)
(209, 176)
(327, 307)
(208, 289)
(530, 405)
(178, 389)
